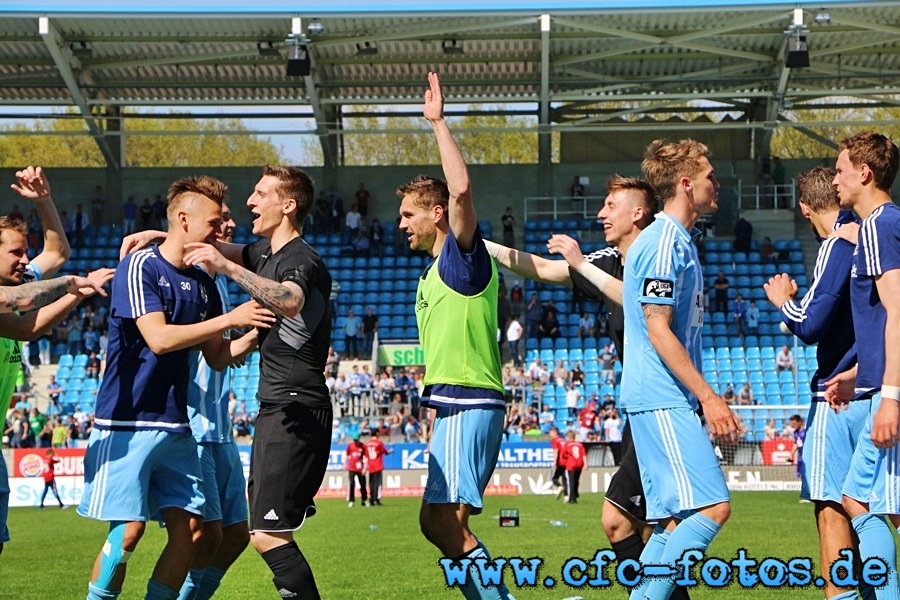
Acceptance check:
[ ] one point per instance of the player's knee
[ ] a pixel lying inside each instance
(719, 513)
(615, 524)
(131, 534)
(211, 539)
(235, 539)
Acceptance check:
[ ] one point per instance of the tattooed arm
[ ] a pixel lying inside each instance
(32, 296)
(674, 355)
(284, 299)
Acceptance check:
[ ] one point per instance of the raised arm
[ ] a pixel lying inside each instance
(285, 299)
(33, 186)
(718, 415)
(529, 265)
(461, 209)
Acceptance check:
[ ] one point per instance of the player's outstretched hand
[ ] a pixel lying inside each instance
(33, 184)
(136, 241)
(566, 246)
(847, 231)
(251, 314)
(85, 287)
(885, 424)
(434, 100)
(780, 289)
(840, 389)
(206, 255)
(720, 419)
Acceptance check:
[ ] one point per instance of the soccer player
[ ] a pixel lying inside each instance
(225, 530)
(559, 468)
(866, 168)
(661, 386)
(49, 474)
(355, 458)
(375, 453)
(573, 456)
(820, 318)
(463, 374)
(629, 207)
(141, 461)
(293, 430)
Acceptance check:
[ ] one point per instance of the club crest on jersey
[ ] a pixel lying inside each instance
(658, 288)
(203, 293)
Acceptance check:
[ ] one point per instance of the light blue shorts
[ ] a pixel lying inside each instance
(4, 501)
(873, 478)
(135, 475)
(830, 441)
(679, 467)
(464, 449)
(224, 486)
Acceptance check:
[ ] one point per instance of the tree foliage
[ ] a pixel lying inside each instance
(157, 150)
(789, 142)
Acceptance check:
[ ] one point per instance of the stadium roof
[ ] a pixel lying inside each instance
(582, 54)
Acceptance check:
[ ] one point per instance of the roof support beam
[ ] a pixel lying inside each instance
(329, 142)
(67, 64)
(545, 138)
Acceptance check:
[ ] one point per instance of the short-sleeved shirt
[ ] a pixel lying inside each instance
(573, 455)
(877, 252)
(662, 268)
(293, 351)
(375, 451)
(142, 390)
(355, 453)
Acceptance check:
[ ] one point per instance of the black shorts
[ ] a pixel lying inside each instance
(291, 445)
(625, 488)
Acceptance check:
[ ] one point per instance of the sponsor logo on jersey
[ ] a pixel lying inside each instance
(163, 282)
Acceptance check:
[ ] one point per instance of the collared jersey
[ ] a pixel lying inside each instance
(662, 269)
(877, 252)
(142, 390)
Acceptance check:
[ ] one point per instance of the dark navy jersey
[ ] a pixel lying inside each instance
(465, 273)
(608, 260)
(821, 316)
(293, 351)
(877, 252)
(140, 389)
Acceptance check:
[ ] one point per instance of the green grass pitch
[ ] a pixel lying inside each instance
(378, 552)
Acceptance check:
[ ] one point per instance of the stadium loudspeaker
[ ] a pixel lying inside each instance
(796, 54)
(298, 64)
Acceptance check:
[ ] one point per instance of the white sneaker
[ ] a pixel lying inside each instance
(350, 504)
(560, 492)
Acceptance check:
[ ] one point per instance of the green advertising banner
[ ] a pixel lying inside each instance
(401, 355)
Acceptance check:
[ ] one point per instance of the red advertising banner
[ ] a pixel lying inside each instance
(29, 462)
(777, 452)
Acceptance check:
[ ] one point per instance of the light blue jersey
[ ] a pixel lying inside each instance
(662, 268)
(208, 391)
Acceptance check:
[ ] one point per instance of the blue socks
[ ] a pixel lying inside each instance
(474, 589)
(694, 533)
(877, 540)
(191, 584)
(212, 577)
(98, 593)
(158, 591)
(651, 555)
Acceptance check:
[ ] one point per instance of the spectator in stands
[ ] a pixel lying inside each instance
(721, 286)
(586, 326)
(352, 222)
(159, 212)
(743, 235)
(129, 214)
(602, 323)
(546, 419)
(412, 429)
(577, 190)
(376, 238)
(560, 374)
(573, 395)
(529, 419)
(92, 368)
(360, 243)
(588, 420)
(145, 216)
(520, 382)
(516, 299)
(369, 327)
(80, 224)
(728, 394)
(90, 339)
(60, 434)
(332, 362)
(767, 250)
(769, 431)
(576, 375)
(745, 396)
(382, 428)
(352, 327)
(549, 326)
(74, 337)
(612, 434)
(513, 335)
(607, 362)
(337, 432)
(342, 393)
(535, 369)
(752, 317)
(534, 311)
(36, 422)
(54, 391)
(508, 383)
(362, 200)
(44, 350)
(509, 222)
(784, 360)
(739, 315)
(333, 298)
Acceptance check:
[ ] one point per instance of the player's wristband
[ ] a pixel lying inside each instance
(890, 391)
